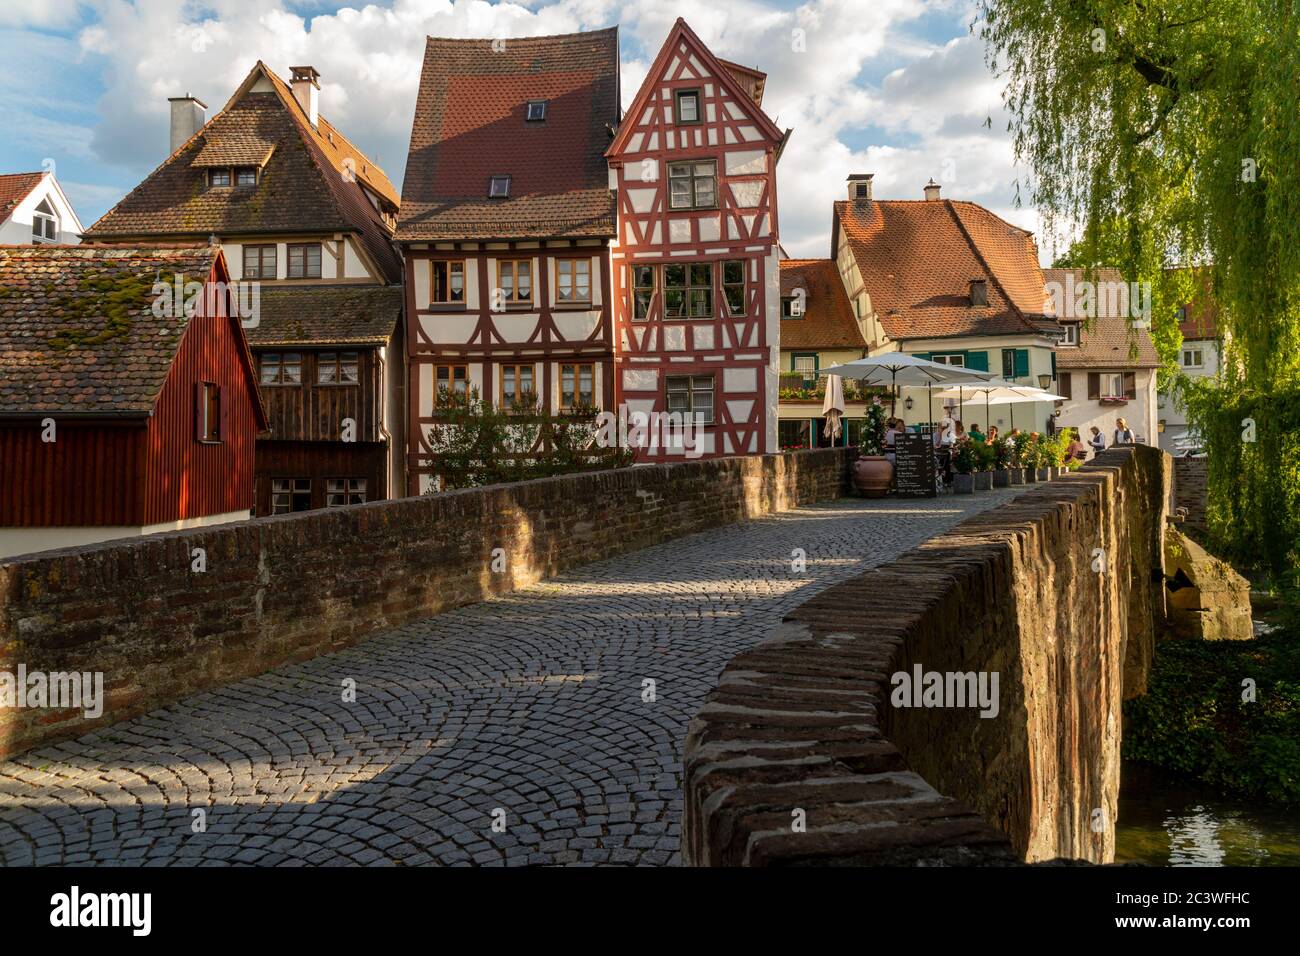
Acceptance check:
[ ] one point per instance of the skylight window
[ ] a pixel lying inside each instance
(499, 187)
(536, 111)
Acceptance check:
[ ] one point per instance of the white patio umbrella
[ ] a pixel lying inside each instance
(1026, 393)
(833, 407)
(900, 368)
(996, 391)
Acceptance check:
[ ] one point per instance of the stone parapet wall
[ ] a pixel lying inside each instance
(291, 587)
(1190, 491)
(801, 728)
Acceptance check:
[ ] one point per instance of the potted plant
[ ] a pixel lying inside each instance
(873, 473)
(1056, 449)
(1031, 456)
(1002, 449)
(964, 461)
(1016, 473)
(985, 459)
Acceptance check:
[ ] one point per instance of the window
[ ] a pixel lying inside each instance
(805, 363)
(516, 385)
(218, 177)
(281, 368)
(688, 106)
(691, 395)
(791, 307)
(344, 491)
(211, 411)
(246, 176)
(1065, 385)
(954, 358)
(733, 285)
(643, 290)
(499, 187)
(688, 290)
(452, 382)
(448, 285)
(290, 494)
(573, 280)
(515, 280)
(1015, 364)
(259, 262)
(979, 292)
(304, 260)
(577, 385)
(692, 185)
(45, 225)
(1071, 336)
(536, 111)
(336, 368)
(1193, 358)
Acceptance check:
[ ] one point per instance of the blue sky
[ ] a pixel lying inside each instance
(894, 87)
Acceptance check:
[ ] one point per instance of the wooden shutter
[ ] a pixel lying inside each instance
(1022, 363)
(1065, 385)
(1094, 386)
(1130, 385)
(198, 411)
(979, 361)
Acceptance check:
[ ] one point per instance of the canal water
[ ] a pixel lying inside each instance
(1169, 821)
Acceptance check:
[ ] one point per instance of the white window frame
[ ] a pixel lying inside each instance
(946, 358)
(48, 220)
(1200, 358)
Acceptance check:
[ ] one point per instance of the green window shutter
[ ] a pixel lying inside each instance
(923, 355)
(1053, 365)
(979, 361)
(1022, 363)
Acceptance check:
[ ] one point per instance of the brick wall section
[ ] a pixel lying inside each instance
(290, 587)
(1190, 491)
(804, 720)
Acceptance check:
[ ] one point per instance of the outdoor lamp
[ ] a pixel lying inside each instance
(1044, 381)
(908, 403)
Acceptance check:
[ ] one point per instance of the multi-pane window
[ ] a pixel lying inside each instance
(691, 395)
(515, 280)
(344, 491)
(281, 368)
(452, 382)
(259, 262)
(1193, 358)
(573, 280)
(688, 106)
(516, 384)
(246, 176)
(577, 385)
(336, 368)
(448, 284)
(219, 177)
(643, 290)
(688, 290)
(693, 185)
(791, 307)
(304, 260)
(290, 494)
(211, 409)
(956, 358)
(733, 285)
(1071, 333)
(806, 365)
(45, 225)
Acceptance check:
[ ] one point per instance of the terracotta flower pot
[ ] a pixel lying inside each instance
(983, 481)
(963, 484)
(872, 476)
(1001, 477)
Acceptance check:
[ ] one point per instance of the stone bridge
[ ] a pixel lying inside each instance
(526, 712)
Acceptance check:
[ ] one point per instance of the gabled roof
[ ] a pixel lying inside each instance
(360, 315)
(741, 87)
(311, 181)
(14, 188)
(918, 259)
(470, 125)
(828, 320)
(79, 331)
(1107, 340)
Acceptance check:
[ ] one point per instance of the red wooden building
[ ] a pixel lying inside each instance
(125, 407)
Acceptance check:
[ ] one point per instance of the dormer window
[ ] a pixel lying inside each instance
(218, 177)
(45, 225)
(1070, 333)
(536, 111)
(499, 187)
(979, 292)
(246, 176)
(688, 106)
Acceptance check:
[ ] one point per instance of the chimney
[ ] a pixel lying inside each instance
(932, 191)
(188, 117)
(306, 90)
(860, 187)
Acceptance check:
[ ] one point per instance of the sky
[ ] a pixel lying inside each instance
(898, 88)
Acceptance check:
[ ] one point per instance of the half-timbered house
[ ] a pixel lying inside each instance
(696, 274)
(506, 219)
(305, 218)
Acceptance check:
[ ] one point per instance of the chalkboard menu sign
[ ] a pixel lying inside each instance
(914, 465)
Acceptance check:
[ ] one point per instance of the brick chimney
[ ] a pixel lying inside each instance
(860, 187)
(188, 116)
(306, 90)
(932, 191)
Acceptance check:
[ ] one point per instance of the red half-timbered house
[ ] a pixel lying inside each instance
(122, 411)
(696, 275)
(506, 219)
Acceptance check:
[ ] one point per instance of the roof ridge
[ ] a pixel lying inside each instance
(540, 36)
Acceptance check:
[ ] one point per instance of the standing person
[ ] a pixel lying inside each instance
(1075, 450)
(1097, 441)
(1123, 435)
(960, 434)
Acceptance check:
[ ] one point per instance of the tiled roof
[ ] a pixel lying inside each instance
(917, 260)
(233, 151)
(470, 125)
(1106, 341)
(78, 330)
(14, 188)
(327, 315)
(828, 320)
(307, 185)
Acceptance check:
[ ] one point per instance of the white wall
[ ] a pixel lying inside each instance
(1140, 413)
(1174, 415)
(14, 541)
(17, 229)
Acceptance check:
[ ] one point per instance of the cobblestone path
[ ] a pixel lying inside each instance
(529, 710)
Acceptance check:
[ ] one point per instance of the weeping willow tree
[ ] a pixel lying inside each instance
(1168, 133)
